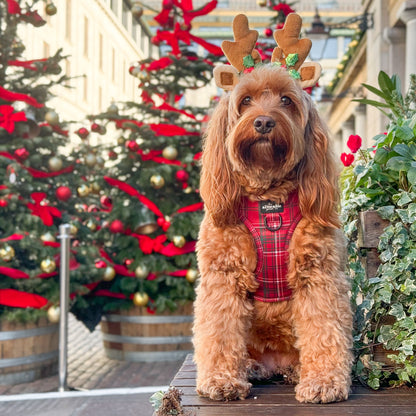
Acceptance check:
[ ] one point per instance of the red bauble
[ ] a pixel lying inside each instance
(132, 146)
(112, 155)
(95, 127)
(63, 193)
(182, 175)
(82, 133)
(21, 154)
(268, 32)
(116, 226)
(3, 203)
(106, 201)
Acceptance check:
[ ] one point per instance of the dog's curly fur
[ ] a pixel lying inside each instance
(236, 338)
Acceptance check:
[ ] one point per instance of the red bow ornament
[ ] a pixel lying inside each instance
(8, 118)
(40, 209)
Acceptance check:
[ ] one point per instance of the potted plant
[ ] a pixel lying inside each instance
(383, 179)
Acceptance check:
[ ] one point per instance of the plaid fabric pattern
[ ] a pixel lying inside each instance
(272, 233)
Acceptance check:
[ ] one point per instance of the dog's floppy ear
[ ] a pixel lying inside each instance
(318, 174)
(218, 187)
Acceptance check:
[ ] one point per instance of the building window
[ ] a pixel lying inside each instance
(114, 6)
(46, 50)
(125, 15)
(100, 52)
(86, 36)
(85, 89)
(68, 19)
(113, 65)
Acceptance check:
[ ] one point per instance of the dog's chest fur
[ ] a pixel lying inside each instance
(271, 226)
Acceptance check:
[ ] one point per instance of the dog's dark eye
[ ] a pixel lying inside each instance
(286, 100)
(246, 100)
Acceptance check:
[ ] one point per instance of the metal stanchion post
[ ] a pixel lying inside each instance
(65, 236)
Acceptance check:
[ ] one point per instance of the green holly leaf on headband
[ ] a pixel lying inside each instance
(294, 74)
(248, 61)
(291, 59)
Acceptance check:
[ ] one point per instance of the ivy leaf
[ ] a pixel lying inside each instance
(411, 175)
(397, 311)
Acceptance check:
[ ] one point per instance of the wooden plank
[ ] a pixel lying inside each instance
(370, 228)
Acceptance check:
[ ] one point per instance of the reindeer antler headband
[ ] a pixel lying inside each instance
(290, 53)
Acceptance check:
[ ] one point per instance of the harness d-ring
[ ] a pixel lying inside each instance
(273, 228)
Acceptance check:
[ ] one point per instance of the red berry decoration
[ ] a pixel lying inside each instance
(112, 155)
(82, 133)
(182, 175)
(268, 32)
(116, 227)
(63, 193)
(95, 127)
(105, 201)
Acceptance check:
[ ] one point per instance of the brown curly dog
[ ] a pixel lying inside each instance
(273, 297)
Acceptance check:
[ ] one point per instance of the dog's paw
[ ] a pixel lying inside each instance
(317, 391)
(223, 388)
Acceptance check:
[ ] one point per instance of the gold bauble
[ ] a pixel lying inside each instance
(48, 237)
(55, 163)
(48, 265)
(170, 153)
(112, 109)
(83, 190)
(50, 9)
(109, 273)
(7, 253)
(188, 190)
(191, 275)
(79, 207)
(262, 3)
(121, 140)
(73, 229)
(141, 272)
(52, 117)
(157, 181)
(91, 225)
(140, 299)
(54, 313)
(178, 241)
(95, 187)
(137, 11)
(100, 161)
(90, 160)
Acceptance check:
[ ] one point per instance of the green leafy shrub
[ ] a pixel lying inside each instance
(383, 178)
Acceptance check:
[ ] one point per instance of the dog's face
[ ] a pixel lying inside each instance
(267, 116)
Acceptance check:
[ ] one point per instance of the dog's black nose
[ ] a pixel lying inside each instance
(264, 124)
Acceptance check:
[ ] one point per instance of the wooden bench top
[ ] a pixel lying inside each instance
(279, 399)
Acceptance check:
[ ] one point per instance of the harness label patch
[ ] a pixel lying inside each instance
(270, 207)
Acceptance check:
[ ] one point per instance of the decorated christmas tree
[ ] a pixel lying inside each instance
(151, 195)
(43, 183)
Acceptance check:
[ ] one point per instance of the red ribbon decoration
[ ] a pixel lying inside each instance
(46, 213)
(119, 269)
(27, 64)
(153, 155)
(38, 173)
(158, 129)
(8, 118)
(167, 107)
(15, 96)
(128, 189)
(13, 273)
(13, 7)
(149, 245)
(191, 208)
(18, 299)
(157, 65)
(12, 237)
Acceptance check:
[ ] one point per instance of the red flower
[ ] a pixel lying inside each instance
(284, 8)
(8, 119)
(354, 143)
(347, 159)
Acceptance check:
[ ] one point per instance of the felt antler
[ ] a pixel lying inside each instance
(240, 53)
(243, 45)
(292, 51)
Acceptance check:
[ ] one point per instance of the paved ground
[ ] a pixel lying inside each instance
(92, 372)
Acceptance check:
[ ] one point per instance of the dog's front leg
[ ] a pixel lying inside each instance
(223, 311)
(321, 314)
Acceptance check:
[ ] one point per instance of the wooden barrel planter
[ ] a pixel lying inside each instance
(136, 335)
(371, 226)
(28, 351)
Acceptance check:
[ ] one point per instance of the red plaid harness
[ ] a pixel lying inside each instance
(272, 226)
